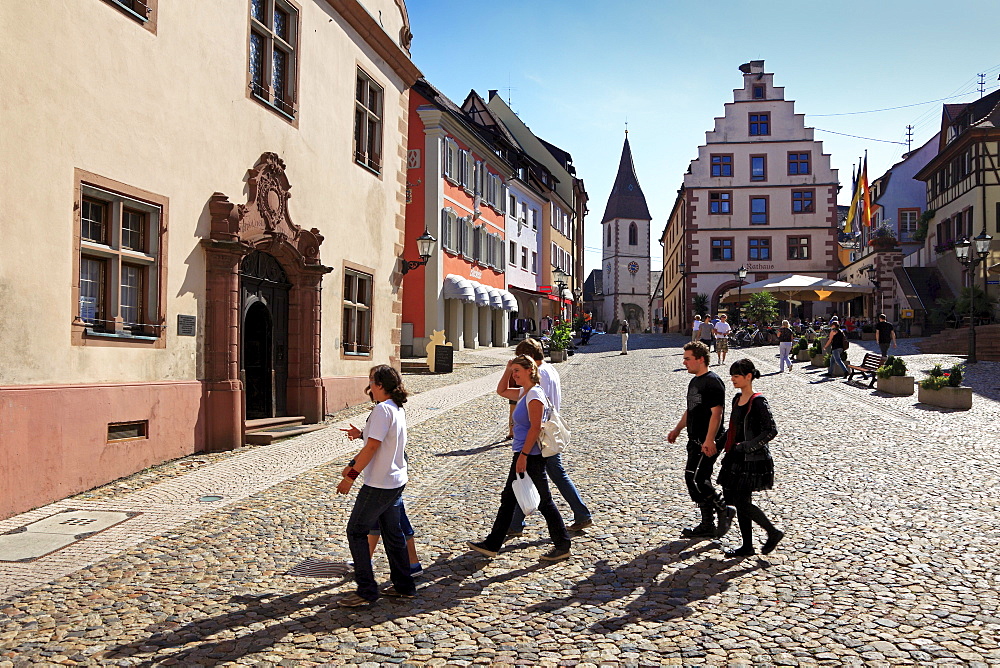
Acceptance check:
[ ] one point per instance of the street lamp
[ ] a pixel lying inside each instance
(971, 253)
(425, 247)
(560, 279)
(741, 274)
(873, 278)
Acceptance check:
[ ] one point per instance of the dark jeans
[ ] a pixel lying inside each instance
(698, 475)
(884, 347)
(555, 471)
(747, 513)
(536, 471)
(378, 505)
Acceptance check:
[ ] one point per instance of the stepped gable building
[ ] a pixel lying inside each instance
(626, 253)
(223, 250)
(761, 194)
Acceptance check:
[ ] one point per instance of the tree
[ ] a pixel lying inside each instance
(700, 303)
(761, 308)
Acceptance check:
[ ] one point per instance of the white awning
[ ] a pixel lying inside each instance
(509, 301)
(482, 294)
(567, 295)
(456, 287)
(496, 299)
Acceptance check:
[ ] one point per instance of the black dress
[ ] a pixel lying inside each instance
(748, 466)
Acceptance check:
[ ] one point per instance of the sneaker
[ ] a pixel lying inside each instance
(581, 525)
(700, 531)
(772, 541)
(353, 601)
(416, 568)
(392, 592)
(555, 554)
(744, 551)
(725, 521)
(515, 533)
(481, 549)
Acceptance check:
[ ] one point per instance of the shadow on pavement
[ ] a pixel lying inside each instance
(474, 451)
(662, 600)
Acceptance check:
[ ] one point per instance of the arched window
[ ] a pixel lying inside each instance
(609, 236)
(633, 235)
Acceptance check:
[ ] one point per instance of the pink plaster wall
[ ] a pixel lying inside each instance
(53, 439)
(344, 391)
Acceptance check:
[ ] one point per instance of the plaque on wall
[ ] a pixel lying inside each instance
(444, 359)
(186, 325)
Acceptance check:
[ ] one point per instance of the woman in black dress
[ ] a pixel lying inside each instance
(747, 466)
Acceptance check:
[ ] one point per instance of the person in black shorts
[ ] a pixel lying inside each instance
(885, 335)
(702, 419)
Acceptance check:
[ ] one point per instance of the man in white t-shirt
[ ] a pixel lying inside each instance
(722, 330)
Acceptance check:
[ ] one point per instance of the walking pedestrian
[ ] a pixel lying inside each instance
(624, 336)
(705, 334)
(721, 331)
(527, 460)
(548, 379)
(747, 466)
(696, 329)
(785, 338)
(885, 334)
(382, 460)
(837, 342)
(703, 418)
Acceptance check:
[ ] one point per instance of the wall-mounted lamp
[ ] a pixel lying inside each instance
(425, 247)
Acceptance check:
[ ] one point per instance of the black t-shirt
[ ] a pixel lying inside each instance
(786, 335)
(704, 393)
(883, 332)
(838, 340)
(624, 326)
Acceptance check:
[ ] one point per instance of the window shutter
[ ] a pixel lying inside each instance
(503, 196)
(445, 232)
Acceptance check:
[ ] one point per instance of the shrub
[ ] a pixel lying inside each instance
(815, 349)
(955, 375)
(894, 366)
(561, 337)
(937, 378)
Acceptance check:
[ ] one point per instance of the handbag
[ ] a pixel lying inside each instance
(525, 493)
(554, 436)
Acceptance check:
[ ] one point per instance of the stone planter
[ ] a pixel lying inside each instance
(901, 386)
(947, 397)
(802, 356)
(867, 336)
(557, 355)
(817, 361)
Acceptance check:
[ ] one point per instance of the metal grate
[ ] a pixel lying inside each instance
(314, 567)
(127, 431)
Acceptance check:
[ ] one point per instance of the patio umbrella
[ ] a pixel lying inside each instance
(995, 269)
(795, 287)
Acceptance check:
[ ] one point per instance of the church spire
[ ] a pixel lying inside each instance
(626, 200)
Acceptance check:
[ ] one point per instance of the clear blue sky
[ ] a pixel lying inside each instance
(578, 69)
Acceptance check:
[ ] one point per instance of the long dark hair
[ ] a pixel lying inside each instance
(389, 380)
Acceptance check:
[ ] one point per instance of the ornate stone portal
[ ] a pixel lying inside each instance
(262, 224)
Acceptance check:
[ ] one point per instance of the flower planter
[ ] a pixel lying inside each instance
(947, 397)
(802, 356)
(901, 386)
(557, 355)
(867, 336)
(817, 361)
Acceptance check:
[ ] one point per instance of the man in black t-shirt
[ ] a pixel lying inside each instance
(703, 419)
(885, 334)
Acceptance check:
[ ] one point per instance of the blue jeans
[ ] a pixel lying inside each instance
(555, 471)
(836, 358)
(536, 471)
(404, 523)
(378, 505)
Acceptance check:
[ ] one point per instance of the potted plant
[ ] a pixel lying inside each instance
(816, 356)
(867, 332)
(837, 371)
(944, 389)
(559, 340)
(801, 350)
(892, 378)
(883, 238)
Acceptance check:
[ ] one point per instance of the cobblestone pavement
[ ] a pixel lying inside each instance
(891, 554)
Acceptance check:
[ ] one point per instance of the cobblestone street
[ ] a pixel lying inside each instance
(890, 509)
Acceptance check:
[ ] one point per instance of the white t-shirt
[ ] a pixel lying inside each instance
(387, 469)
(722, 329)
(548, 379)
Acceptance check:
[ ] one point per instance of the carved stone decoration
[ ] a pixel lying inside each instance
(265, 216)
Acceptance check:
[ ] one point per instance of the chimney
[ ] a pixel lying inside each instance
(753, 67)
(493, 94)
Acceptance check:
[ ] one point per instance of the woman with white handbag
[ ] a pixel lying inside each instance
(527, 461)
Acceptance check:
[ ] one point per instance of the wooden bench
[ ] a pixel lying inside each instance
(867, 368)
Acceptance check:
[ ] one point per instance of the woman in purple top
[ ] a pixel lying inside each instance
(527, 460)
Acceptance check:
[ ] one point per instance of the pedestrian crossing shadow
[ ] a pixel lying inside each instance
(663, 599)
(449, 581)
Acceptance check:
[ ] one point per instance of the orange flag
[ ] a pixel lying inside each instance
(866, 198)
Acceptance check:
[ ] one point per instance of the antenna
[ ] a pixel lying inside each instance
(509, 88)
(982, 84)
(909, 137)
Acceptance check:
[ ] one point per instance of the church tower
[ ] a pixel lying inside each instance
(626, 251)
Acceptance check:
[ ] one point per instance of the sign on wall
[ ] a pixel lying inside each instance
(413, 158)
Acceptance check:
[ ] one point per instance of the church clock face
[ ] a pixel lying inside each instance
(633, 267)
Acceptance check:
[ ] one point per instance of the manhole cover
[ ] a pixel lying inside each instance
(314, 567)
(45, 536)
(209, 498)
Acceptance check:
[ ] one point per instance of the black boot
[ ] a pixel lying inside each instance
(707, 527)
(726, 515)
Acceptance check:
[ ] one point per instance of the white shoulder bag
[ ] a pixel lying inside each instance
(554, 436)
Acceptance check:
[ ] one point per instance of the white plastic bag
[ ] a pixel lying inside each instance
(525, 492)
